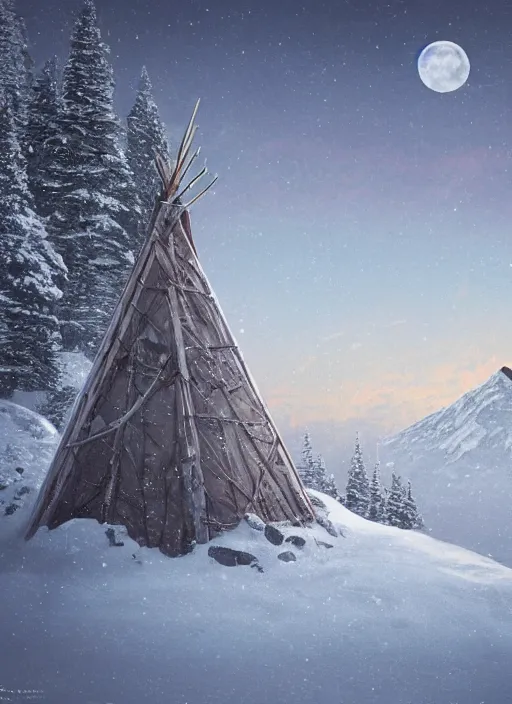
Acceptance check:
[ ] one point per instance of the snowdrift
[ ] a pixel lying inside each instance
(382, 617)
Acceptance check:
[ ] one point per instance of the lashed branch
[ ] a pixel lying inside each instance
(115, 425)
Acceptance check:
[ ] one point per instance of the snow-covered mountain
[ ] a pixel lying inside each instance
(460, 462)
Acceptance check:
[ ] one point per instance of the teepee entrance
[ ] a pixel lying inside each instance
(169, 436)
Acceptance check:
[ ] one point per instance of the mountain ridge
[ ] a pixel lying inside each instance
(463, 415)
(460, 462)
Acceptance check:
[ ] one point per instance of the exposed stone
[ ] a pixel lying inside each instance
(231, 558)
(112, 538)
(296, 541)
(327, 525)
(324, 545)
(255, 522)
(20, 470)
(287, 556)
(317, 503)
(22, 491)
(273, 535)
(9, 510)
(321, 515)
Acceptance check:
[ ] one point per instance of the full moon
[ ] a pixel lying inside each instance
(443, 66)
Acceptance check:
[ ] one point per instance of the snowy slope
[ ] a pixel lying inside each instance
(383, 617)
(460, 462)
(27, 444)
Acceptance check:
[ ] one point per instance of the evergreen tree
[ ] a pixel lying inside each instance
(27, 71)
(41, 134)
(13, 58)
(94, 221)
(376, 508)
(145, 137)
(412, 517)
(385, 498)
(357, 497)
(395, 514)
(306, 467)
(329, 486)
(30, 276)
(320, 480)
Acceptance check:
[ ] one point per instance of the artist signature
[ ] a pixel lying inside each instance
(20, 695)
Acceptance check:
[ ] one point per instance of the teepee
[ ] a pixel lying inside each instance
(169, 436)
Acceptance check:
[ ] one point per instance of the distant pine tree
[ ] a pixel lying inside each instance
(321, 481)
(318, 474)
(376, 507)
(357, 498)
(385, 497)
(395, 514)
(94, 223)
(41, 134)
(30, 277)
(330, 488)
(412, 518)
(146, 136)
(306, 467)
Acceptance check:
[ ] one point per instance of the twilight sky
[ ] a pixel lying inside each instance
(359, 235)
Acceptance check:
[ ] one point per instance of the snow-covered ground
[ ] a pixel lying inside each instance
(460, 463)
(383, 617)
(27, 444)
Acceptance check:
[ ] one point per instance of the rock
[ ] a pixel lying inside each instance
(257, 566)
(255, 522)
(324, 545)
(287, 556)
(317, 503)
(20, 470)
(296, 541)
(231, 558)
(9, 510)
(22, 491)
(112, 538)
(273, 535)
(327, 525)
(321, 515)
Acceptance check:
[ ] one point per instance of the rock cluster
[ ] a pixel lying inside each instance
(232, 558)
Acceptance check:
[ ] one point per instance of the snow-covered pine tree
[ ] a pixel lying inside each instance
(13, 60)
(376, 507)
(330, 488)
(30, 276)
(306, 467)
(412, 517)
(146, 136)
(41, 135)
(395, 503)
(95, 221)
(385, 497)
(319, 478)
(27, 64)
(357, 498)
